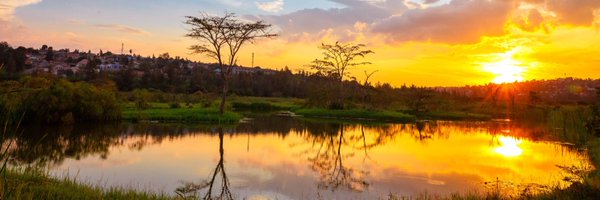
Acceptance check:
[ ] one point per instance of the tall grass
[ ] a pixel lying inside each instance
(568, 123)
(162, 112)
(34, 184)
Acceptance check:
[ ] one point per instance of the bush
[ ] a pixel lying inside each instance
(175, 105)
(256, 106)
(47, 99)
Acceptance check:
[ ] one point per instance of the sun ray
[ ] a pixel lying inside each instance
(506, 68)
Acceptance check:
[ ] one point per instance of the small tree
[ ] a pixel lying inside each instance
(338, 58)
(221, 38)
(593, 123)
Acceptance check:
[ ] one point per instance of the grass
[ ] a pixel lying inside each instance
(162, 112)
(28, 184)
(388, 116)
(266, 103)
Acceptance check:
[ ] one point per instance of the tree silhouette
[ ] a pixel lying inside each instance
(190, 189)
(329, 164)
(338, 58)
(221, 38)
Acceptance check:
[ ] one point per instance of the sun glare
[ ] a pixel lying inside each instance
(509, 147)
(507, 69)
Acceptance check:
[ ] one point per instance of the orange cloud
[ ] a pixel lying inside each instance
(462, 21)
(579, 12)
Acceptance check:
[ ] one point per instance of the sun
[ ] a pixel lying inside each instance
(506, 68)
(506, 71)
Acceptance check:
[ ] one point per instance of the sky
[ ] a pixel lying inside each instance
(421, 42)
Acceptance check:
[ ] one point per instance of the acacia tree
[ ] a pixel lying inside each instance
(338, 58)
(221, 38)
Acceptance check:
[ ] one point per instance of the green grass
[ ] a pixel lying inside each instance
(356, 114)
(162, 112)
(266, 103)
(21, 184)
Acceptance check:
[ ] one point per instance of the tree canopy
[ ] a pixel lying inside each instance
(221, 38)
(337, 58)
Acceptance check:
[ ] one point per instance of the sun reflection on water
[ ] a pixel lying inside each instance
(509, 147)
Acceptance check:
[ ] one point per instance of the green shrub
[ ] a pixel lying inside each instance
(174, 105)
(47, 99)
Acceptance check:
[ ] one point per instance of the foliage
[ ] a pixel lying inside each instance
(221, 38)
(338, 58)
(206, 115)
(47, 99)
(593, 124)
(141, 98)
(174, 105)
(31, 184)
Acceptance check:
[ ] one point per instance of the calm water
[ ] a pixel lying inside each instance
(287, 158)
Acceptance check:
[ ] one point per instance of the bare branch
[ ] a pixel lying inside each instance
(337, 58)
(221, 38)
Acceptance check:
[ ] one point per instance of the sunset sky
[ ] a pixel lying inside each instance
(422, 42)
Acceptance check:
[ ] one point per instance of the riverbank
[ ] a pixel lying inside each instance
(177, 112)
(164, 112)
(566, 122)
(30, 185)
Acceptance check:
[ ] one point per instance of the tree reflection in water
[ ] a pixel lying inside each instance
(328, 161)
(332, 150)
(191, 190)
(332, 145)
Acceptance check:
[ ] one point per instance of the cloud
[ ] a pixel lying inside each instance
(124, 29)
(452, 22)
(273, 6)
(575, 12)
(461, 21)
(317, 20)
(8, 7)
(430, 1)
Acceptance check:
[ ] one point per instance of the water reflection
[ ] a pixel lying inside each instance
(509, 146)
(328, 161)
(287, 158)
(218, 180)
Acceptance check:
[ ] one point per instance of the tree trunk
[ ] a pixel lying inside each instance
(224, 94)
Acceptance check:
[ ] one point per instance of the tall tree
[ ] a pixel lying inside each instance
(221, 38)
(338, 58)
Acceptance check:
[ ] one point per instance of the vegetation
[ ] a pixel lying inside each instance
(593, 124)
(221, 38)
(31, 184)
(50, 100)
(338, 58)
(167, 113)
(266, 103)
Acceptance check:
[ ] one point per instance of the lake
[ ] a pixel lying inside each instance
(288, 158)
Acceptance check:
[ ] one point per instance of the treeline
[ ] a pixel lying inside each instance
(202, 83)
(13, 59)
(48, 99)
